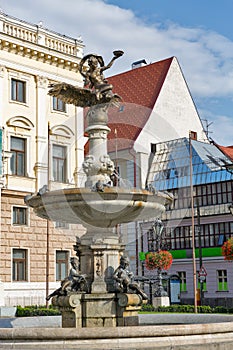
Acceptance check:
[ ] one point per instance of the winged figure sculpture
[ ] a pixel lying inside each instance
(96, 88)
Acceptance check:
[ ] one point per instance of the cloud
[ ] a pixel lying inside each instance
(206, 57)
(223, 130)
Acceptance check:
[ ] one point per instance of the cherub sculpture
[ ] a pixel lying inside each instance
(96, 89)
(75, 282)
(124, 279)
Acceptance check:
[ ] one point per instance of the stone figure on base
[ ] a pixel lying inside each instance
(75, 282)
(124, 279)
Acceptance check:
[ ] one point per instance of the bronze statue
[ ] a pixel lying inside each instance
(75, 282)
(96, 89)
(124, 279)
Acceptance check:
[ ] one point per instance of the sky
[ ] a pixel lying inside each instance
(199, 33)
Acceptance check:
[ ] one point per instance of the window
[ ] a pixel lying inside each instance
(193, 135)
(59, 163)
(62, 262)
(211, 235)
(19, 216)
(61, 224)
(18, 90)
(18, 147)
(59, 105)
(222, 280)
(19, 265)
(182, 276)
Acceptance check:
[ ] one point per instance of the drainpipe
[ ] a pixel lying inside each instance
(133, 153)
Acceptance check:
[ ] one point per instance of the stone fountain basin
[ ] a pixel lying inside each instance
(100, 209)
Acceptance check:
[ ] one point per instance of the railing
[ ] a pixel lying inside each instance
(20, 33)
(38, 35)
(60, 46)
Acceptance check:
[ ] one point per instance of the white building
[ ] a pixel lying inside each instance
(38, 132)
(156, 107)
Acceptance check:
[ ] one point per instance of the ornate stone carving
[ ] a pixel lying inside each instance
(75, 282)
(124, 279)
(2, 71)
(42, 82)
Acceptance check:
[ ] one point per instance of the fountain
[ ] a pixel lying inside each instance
(100, 291)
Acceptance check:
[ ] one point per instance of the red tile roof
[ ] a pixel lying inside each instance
(227, 150)
(139, 89)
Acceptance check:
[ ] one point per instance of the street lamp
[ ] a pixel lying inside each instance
(156, 243)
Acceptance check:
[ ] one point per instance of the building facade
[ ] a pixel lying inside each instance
(42, 144)
(156, 107)
(212, 186)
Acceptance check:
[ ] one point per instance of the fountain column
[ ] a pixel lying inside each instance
(98, 165)
(110, 297)
(99, 247)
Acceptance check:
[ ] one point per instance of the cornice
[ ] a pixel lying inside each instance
(39, 53)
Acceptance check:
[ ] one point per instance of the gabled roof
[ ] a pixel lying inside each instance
(139, 89)
(227, 150)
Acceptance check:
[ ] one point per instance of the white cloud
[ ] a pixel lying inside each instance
(223, 130)
(206, 57)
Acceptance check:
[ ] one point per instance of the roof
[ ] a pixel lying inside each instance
(170, 167)
(139, 89)
(227, 150)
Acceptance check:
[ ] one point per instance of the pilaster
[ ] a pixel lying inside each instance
(2, 75)
(41, 165)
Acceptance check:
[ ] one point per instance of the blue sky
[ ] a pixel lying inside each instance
(198, 32)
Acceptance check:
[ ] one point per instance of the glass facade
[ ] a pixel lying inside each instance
(212, 186)
(170, 168)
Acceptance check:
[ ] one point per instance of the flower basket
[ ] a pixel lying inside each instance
(158, 260)
(227, 249)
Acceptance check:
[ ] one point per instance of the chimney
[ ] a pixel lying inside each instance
(139, 63)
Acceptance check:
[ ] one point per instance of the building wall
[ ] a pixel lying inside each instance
(37, 57)
(213, 222)
(174, 114)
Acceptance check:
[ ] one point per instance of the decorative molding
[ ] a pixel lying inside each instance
(42, 82)
(38, 55)
(2, 71)
(20, 122)
(62, 131)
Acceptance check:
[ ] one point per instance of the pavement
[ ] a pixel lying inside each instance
(144, 319)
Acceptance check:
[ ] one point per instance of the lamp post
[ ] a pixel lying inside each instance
(156, 243)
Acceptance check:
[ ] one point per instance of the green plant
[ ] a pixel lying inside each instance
(148, 308)
(221, 310)
(36, 310)
(204, 309)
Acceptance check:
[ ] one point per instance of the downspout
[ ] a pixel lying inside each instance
(133, 154)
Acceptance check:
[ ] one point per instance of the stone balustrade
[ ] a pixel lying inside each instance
(37, 34)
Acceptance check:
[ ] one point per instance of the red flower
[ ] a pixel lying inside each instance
(158, 260)
(227, 249)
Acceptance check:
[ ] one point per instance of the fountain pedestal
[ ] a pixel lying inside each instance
(98, 309)
(99, 253)
(99, 207)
